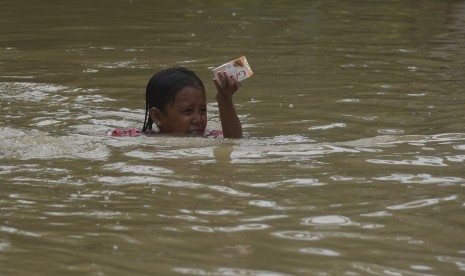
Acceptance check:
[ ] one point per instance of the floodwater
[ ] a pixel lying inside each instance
(353, 161)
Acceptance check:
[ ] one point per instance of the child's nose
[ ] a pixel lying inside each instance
(196, 118)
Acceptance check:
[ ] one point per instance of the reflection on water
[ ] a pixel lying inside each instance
(353, 161)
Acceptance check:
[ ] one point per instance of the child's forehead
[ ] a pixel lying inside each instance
(190, 94)
(190, 91)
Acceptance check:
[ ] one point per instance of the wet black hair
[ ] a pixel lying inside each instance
(162, 89)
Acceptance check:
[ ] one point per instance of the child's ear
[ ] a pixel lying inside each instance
(155, 114)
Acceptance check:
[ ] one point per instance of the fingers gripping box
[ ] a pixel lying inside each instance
(238, 68)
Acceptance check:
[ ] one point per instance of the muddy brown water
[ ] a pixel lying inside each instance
(353, 161)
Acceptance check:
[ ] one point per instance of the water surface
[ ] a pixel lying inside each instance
(353, 161)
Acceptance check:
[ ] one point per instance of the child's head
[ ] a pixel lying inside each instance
(175, 101)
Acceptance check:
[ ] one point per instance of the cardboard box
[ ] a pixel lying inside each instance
(239, 68)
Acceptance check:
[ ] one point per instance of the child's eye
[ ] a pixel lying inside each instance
(203, 110)
(187, 111)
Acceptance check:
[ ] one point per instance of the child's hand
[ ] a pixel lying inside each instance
(226, 85)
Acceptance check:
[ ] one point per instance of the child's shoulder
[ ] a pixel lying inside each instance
(213, 134)
(124, 132)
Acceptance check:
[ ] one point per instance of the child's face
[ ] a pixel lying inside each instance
(187, 115)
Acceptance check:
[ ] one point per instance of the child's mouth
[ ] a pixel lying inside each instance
(196, 132)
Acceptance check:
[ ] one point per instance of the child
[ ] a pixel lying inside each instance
(175, 101)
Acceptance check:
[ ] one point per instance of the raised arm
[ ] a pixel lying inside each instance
(226, 86)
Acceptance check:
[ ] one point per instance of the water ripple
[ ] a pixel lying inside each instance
(238, 228)
(185, 217)
(28, 91)
(329, 126)
(229, 191)
(414, 204)
(374, 269)
(314, 236)
(4, 245)
(39, 145)
(459, 147)
(12, 230)
(226, 271)
(218, 212)
(138, 169)
(297, 182)
(456, 158)
(332, 220)
(95, 214)
(194, 152)
(264, 218)
(421, 161)
(304, 182)
(390, 131)
(125, 180)
(319, 251)
(459, 262)
(377, 214)
(421, 267)
(263, 203)
(419, 178)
